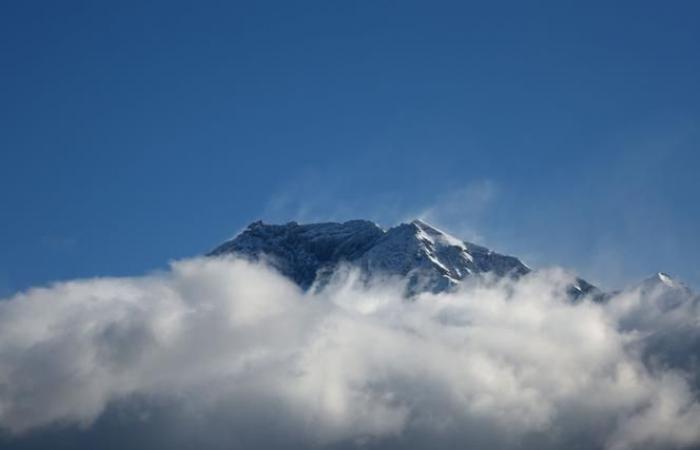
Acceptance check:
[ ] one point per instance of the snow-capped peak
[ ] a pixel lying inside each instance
(437, 236)
(666, 279)
(662, 280)
(428, 257)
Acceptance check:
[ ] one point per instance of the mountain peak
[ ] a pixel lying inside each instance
(435, 235)
(427, 257)
(662, 280)
(419, 223)
(665, 278)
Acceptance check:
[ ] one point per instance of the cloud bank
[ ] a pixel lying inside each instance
(223, 353)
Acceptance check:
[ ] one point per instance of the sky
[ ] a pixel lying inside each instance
(135, 133)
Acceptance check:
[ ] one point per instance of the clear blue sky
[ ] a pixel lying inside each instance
(137, 132)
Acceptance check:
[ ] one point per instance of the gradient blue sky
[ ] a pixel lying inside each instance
(138, 132)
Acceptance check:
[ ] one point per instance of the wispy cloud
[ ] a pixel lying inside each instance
(461, 210)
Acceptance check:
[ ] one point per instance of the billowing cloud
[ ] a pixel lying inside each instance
(223, 353)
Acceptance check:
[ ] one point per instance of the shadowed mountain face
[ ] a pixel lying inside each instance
(430, 259)
(300, 251)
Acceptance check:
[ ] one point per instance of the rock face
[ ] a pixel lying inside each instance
(433, 260)
(430, 259)
(301, 251)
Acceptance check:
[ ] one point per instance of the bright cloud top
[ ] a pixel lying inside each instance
(497, 363)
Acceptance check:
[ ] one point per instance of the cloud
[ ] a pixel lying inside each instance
(462, 209)
(222, 353)
(315, 198)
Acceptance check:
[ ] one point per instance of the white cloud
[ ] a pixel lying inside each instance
(494, 364)
(461, 210)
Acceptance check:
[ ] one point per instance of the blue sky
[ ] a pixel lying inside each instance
(136, 133)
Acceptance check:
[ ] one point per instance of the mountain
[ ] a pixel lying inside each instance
(663, 281)
(663, 312)
(430, 259)
(666, 292)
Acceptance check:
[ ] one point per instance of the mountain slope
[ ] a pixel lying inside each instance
(430, 259)
(300, 251)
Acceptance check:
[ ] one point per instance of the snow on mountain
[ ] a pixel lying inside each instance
(433, 260)
(663, 313)
(429, 258)
(665, 291)
(661, 280)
